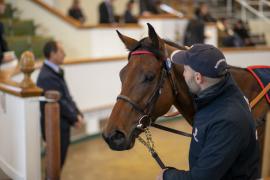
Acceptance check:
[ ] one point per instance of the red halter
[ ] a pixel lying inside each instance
(140, 52)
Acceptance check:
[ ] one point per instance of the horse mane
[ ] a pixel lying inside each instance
(146, 44)
(174, 44)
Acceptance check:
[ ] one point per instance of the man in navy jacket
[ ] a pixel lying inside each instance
(51, 77)
(224, 145)
(106, 12)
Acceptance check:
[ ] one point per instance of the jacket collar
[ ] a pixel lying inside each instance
(60, 73)
(53, 66)
(210, 94)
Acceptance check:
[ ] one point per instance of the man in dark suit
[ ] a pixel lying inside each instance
(3, 44)
(106, 14)
(76, 11)
(51, 77)
(148, 7)
(128, 16)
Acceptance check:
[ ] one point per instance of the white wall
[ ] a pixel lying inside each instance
(167, 28)
(247, 58)
(101, 84)
(78, 43)
(260, 27)
(100, 41)
(20, 137)
(97, 84)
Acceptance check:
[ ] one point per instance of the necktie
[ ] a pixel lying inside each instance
(61, 72)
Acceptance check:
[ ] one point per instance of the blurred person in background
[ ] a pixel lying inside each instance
(148, 7)
(243, 32)
(226, 36)
(128, 16)
(76, 12)
(51, 77)
(4, 57)
(202, 13)
(194, 32)
(106, 12)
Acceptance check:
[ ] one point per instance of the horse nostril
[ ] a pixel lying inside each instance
(118, 138)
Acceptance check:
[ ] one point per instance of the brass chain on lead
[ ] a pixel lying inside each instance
(149, 137)
(149, 143)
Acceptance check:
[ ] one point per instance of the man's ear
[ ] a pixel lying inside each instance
(198, 78)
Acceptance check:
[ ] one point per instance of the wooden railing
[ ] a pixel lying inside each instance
(76, 23)
(29, 90)
(160, 16)
(94, 60)
(52, 129)
(15, 88)
(26, 88)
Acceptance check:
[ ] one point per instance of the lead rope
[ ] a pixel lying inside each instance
(149, 144)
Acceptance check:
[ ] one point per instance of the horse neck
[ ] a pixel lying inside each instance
(246, 82)
(183, 100)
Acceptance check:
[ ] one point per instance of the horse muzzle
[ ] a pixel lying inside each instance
(117, 141)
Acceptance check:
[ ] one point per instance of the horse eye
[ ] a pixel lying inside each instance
(148, 78)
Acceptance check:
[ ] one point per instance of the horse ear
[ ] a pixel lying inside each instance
(157, 42)
(129, 42)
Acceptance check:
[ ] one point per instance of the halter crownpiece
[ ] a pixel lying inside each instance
(141, 52)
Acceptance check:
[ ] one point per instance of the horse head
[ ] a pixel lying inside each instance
(146, 91)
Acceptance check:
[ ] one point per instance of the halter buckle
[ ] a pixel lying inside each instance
(141, 124)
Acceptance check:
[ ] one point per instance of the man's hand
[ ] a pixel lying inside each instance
(80, 122)
(8, 57)
(160, 176)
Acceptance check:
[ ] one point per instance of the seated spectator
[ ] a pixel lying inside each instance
(148, 7)
(202, 13)
(242, 31)
(106, 12)
(128, 16)
(4, 57)
(76, 12)
(227, 37)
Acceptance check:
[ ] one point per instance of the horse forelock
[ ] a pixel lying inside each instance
(173, 44)
(146, 44)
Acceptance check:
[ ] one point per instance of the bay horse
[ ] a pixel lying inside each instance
(149, 92)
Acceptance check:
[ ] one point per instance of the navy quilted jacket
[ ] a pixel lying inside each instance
(224, 145)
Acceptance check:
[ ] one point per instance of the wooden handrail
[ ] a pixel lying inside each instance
(26, 88)
(94, 60)
(58, 13)
(14, 88)
(11, 87)
(52, 133)
(161, 16)
(76, 23)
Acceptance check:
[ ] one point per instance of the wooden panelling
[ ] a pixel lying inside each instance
(94, 60)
